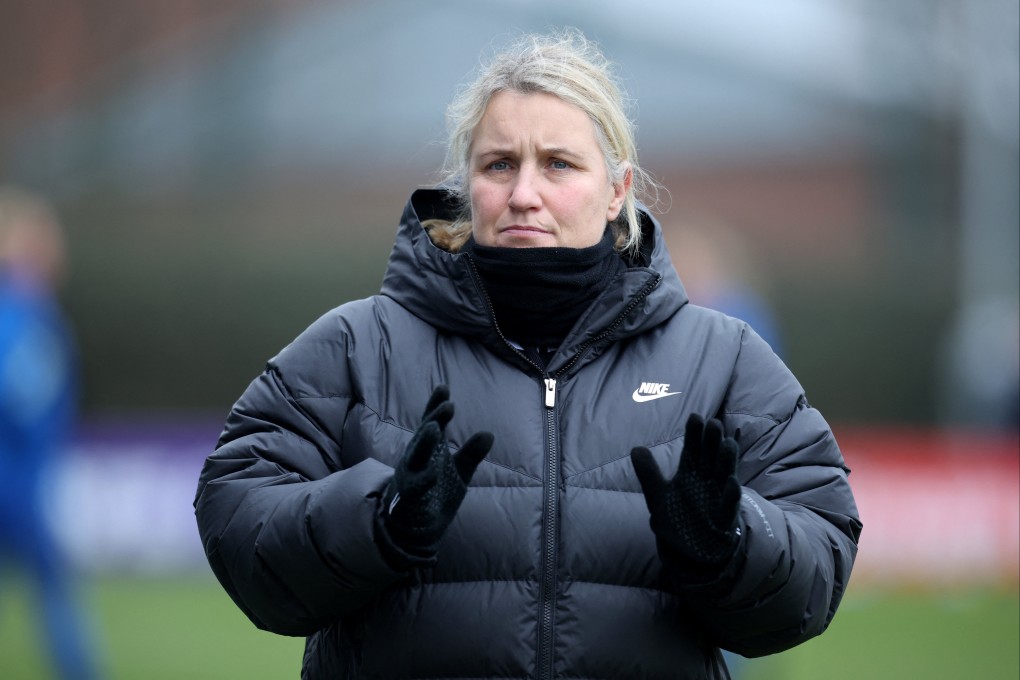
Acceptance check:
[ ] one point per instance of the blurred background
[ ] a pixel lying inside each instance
(844, 174)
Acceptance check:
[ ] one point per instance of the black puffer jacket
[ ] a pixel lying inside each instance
(550, 567)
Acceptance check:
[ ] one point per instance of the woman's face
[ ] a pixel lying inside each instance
(537, 175)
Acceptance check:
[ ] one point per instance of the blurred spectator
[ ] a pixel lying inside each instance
(980, 366)
(37, 409)
(719, 271)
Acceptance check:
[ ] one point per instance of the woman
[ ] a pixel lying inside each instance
(628, 484)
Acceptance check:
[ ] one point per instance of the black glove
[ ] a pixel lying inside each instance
(694, 515)
(429, 484)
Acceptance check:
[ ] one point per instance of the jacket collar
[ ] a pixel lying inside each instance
(443, 289)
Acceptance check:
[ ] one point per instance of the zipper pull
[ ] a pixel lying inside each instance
(550, 392)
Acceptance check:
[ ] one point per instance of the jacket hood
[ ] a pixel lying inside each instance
(444, 290)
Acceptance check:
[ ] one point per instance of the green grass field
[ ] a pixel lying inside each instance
(187, 629)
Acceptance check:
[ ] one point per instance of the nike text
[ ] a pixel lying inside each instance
(649, 391)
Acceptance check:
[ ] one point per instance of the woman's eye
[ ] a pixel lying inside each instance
(559, 165)
(499, 165)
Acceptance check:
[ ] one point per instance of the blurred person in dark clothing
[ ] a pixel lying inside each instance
(628, 484)
(37, 411)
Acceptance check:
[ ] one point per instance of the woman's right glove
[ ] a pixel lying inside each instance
(694, 514)
(428, 486)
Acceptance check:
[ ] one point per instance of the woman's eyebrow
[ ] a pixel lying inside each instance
(560, 151)
(494, 152)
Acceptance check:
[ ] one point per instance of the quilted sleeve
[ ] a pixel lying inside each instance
(287, 530)
(798, 519)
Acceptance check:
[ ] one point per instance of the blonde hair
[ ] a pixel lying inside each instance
(573, 68)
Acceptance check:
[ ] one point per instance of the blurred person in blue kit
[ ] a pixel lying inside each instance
(719, 271)
(628, 484)
(37, 411)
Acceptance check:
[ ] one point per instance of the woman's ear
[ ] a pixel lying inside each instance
(620, 190)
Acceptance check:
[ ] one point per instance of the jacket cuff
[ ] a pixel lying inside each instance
(684, 573)
(398, 558)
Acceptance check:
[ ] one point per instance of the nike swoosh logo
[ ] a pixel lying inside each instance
(639, 398)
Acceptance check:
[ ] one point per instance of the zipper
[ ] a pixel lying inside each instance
(545, 653)
(550, 392)
(550, 533)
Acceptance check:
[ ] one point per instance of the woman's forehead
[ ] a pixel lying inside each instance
(539, 121)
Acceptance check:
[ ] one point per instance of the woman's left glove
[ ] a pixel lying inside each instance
(428, 486)
(694, 514)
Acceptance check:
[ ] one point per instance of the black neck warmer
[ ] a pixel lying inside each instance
(538, 294)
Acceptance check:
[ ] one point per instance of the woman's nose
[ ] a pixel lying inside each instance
(525, 193)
